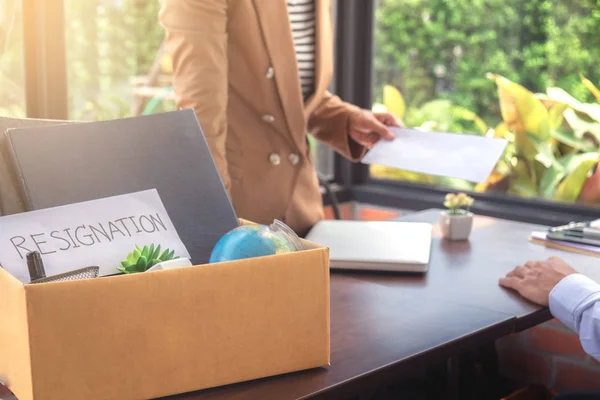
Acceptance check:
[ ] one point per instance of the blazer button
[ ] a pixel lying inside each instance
(294, 158)
(270, 73)
(268, 118)
(275, 159)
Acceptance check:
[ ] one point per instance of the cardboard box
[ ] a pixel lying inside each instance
(161, 333)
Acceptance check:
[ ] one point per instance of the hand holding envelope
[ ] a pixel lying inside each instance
(467, 157)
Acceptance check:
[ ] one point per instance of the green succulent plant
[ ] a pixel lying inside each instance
(142, 259)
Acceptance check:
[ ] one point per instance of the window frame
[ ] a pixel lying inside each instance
(45, 62)
(353, 72)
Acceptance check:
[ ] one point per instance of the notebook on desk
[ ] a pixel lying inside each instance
(377, 245)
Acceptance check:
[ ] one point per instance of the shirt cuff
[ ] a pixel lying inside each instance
(570, 296)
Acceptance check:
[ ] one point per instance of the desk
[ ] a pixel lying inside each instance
(467, 272)
(384, 325)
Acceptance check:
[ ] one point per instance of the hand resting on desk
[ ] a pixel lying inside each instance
(536, 279)
(574, 299)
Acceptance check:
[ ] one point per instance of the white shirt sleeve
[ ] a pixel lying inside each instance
(575, 301)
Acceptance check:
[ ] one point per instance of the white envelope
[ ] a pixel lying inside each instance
(462, 156)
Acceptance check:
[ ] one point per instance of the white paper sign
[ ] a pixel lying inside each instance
(452, 155)
(93, 233)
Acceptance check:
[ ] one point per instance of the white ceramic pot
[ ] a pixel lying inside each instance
(456, 226)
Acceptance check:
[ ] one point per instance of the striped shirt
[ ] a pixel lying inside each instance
(302, 20)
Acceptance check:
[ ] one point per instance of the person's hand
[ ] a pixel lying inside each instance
(536, 279)
(367, 128)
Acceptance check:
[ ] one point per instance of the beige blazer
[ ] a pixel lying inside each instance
(234, 63)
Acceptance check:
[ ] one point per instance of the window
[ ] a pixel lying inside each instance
(439, 64)
(116, 66)
(12, 88)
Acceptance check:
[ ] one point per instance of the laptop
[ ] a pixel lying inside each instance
(375, 245)
(65, 164)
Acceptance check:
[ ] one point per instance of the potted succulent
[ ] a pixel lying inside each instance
(456, 222)
(150, 258)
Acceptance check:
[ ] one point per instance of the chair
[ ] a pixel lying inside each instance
(331, 195)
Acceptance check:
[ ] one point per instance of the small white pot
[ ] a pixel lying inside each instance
(456, 226)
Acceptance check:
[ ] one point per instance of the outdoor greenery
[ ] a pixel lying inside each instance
(504, 68)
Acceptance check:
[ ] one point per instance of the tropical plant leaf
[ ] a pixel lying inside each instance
(550, 179)
(580, 167)
(393, 101)
(467, 115)
(524, 114)
(573, 141)
(521, 181)
(544, 151)
(502, 132)
(580, 127)
(591, 87)
(555, 115)
(591, 110)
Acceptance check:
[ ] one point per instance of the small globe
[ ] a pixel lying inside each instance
(244, 242)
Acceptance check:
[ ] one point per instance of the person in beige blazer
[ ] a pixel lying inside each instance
(256, 72)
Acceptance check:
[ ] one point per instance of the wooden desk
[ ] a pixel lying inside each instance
(377, 334)
(467, 273)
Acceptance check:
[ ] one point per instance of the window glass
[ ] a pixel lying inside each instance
(115, 65)
(12, 88)
(441, 64)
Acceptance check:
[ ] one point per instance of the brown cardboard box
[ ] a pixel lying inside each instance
(142, 336)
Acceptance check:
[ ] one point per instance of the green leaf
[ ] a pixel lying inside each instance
(555, 115)
(569, 188)
(573, 141)
(164, 255)
(137, 246)
(156, 252)
(544, 151)
(131, 258)
(521, 180)
(580, 126)
(145, 252)
(121, 269)
(170, 257)
(126, 263)
(550, 179)
(141, 264)
(131, 269)
(150, 251)
(560, 95)
(523, 112)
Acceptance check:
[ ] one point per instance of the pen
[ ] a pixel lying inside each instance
(35, 266)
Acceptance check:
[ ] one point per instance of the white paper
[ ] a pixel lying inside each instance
(94, 233)
(467, 157)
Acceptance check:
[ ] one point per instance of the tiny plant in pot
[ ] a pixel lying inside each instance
(142, 259)
(457, 221)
